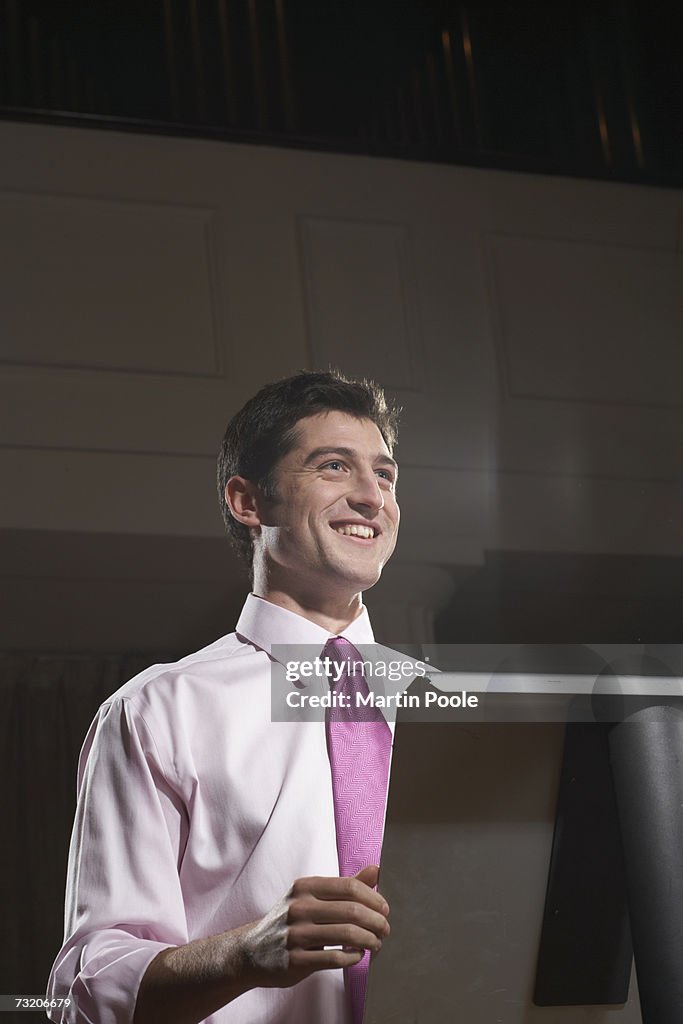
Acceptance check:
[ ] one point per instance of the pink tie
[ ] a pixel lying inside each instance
(359, 746)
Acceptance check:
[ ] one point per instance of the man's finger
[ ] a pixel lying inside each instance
(337, 912)
(350, 889)
(322, 959)
(314, 936)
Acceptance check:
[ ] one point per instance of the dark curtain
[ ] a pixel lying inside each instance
(46, 707)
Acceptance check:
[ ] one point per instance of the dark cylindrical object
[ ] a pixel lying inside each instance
(646, 752)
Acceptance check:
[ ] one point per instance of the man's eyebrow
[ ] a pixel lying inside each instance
(350, 453)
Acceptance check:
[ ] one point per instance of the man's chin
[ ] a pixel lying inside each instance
(361, 581)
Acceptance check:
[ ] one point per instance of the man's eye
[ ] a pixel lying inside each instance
(386, 474)
(333, 464)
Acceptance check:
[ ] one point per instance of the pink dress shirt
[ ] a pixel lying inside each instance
(195, 814)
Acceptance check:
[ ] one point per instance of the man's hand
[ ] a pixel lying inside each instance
(184, 984)
(293, 940)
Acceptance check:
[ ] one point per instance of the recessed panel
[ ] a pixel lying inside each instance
(361, 299)
(106, 285)
(588, 322)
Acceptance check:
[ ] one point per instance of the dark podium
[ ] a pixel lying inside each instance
(616, 877)
(533, 848)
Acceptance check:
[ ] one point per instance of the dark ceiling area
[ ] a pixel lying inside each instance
(587, 89)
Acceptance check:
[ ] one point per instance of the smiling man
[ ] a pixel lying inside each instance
(325, 534)
(223, 865)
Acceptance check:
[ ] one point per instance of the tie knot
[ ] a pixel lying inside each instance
(347, 677)
(339, 648)
(342, 652)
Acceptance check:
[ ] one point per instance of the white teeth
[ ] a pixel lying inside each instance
(356, 531)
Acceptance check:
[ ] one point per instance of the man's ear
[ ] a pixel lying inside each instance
(243, 497)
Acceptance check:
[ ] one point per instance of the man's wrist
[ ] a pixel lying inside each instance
(185, 984)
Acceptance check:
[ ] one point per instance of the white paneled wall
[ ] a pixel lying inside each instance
(531, 327)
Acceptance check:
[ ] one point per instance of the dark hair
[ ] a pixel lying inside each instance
(264, 430)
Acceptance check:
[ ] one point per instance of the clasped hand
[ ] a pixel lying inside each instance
(293, 940)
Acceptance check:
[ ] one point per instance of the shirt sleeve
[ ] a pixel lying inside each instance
(124, 901)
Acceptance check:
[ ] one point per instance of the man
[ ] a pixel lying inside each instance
(196, 812)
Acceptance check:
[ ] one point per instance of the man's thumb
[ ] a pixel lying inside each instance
(369, 875)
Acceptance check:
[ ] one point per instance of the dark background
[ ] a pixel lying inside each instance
(589, 88)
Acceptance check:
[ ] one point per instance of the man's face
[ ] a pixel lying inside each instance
(334, 521)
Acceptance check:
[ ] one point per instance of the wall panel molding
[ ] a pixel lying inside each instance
(361, 299)
(77, 410)
(110, 285)
(582, 322)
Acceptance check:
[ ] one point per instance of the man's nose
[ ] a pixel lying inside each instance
(367, 491)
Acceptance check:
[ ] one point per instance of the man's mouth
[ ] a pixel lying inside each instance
(356, 531)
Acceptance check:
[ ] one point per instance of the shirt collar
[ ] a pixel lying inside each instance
(265, 624)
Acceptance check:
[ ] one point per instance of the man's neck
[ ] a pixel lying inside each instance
(334, 617)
